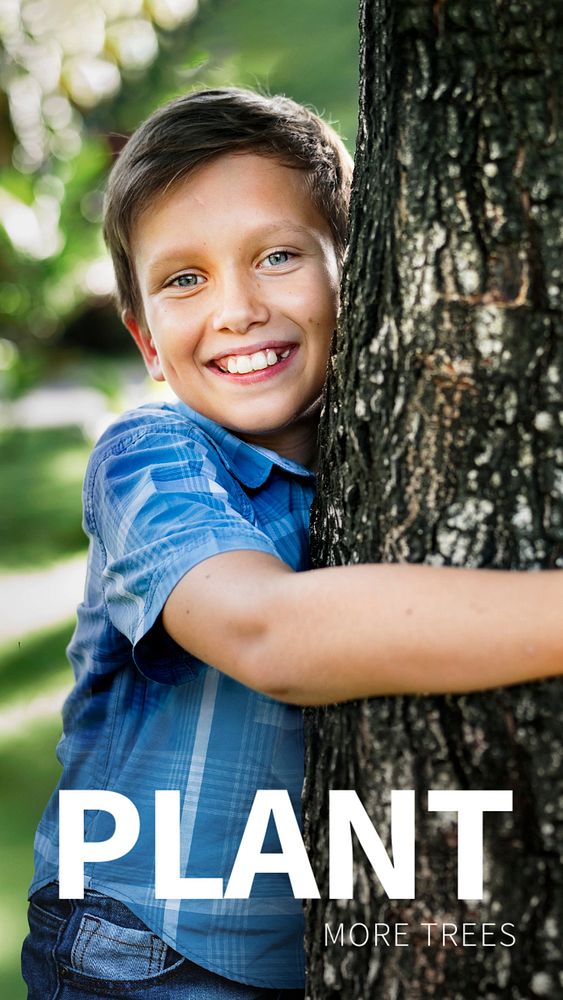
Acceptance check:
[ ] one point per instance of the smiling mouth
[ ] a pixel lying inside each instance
(245, 364)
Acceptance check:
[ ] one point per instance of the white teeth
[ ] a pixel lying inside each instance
(242, 364)
(259, 361)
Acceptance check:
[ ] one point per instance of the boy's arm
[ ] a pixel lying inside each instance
(348, 632)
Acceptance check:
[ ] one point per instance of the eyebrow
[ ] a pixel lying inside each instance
(176, 256)
(284, 224)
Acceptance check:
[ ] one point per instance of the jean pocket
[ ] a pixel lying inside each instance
(39, 913)
(46, 907)
(47, 923)
(108, 951)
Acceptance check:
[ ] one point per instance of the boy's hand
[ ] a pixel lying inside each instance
(349, 632)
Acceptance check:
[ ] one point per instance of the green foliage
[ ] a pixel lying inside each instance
(51, 247)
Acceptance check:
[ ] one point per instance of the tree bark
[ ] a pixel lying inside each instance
(442, 442)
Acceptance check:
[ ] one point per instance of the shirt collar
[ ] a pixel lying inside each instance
(250, 463)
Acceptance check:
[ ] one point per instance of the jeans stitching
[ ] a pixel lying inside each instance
(127, 986)
(56, 944)
(45, 915)
(90, 928)
(154, 959)
(86, 932)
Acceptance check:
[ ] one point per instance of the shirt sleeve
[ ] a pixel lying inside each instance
(159, 504)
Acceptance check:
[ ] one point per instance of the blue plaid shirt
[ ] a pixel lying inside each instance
(166, 488)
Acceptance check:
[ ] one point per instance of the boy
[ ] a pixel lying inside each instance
(197, 639)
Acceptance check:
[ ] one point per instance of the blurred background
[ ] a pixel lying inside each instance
(76, 78)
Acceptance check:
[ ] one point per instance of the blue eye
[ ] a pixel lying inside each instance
(186, 280)
(278, 257)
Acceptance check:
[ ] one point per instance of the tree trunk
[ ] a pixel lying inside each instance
(442, 443)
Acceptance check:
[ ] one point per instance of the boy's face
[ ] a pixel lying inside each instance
(239, 281)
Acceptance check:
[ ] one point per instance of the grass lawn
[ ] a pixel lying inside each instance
(29, 771)
(35, 669)
(30, 667)
(40, 503)
(40, 524)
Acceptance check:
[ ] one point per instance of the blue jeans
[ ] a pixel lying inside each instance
(97, 948)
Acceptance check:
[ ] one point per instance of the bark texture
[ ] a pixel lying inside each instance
(442, 442)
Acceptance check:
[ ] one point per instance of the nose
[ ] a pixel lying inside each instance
(240, 304)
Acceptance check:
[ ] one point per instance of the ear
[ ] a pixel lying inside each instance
(146, 345)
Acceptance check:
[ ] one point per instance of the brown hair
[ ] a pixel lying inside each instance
(194, 129)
